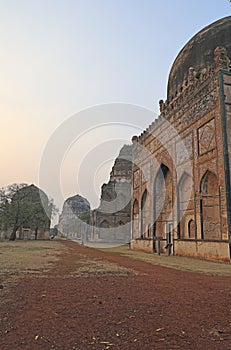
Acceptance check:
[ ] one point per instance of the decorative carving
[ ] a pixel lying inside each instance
(221, 58)
(134, 139)
(206, 135)
(191, 75)
(161, 105)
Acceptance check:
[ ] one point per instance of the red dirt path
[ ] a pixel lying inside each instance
(156, 308)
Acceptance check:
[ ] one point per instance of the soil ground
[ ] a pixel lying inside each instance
(93, 299)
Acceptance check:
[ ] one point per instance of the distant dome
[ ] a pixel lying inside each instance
(76, 204)
(199, 53)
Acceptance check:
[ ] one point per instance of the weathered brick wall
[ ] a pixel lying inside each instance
(195, 119)
(208, 250)
(225, 95)
(111, 220)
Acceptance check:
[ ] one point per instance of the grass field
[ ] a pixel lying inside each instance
(176, 262)
(20, 258)
(96, 267)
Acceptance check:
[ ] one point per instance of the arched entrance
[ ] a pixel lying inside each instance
(185, 208)
(135, 219)
(210, 206)
(143, 215)
(162, 205)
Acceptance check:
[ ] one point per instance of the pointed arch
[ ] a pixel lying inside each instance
(209, 183)
(162, 200)
(143, 213)
(185, 206)
(191, 228)
(210, 206)
(135, 219)
(160, 188)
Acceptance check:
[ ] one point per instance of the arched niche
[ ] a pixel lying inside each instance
(210, 206)
(185, 206)
(162, 201)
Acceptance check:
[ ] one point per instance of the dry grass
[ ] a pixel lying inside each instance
(21, 258)
(176, 262)
(95, 267)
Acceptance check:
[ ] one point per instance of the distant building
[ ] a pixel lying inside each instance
(74, 219)
(111, 220)
(33, 202)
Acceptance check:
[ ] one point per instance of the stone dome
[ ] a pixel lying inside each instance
(77, 203)
(199, 54)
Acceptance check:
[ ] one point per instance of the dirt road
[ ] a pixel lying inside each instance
(80, 304)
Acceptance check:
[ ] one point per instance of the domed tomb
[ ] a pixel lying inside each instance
(75, 205)
(199, 54)
(75, 213)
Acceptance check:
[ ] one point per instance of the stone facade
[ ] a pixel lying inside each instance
(111, 220)
(26, 233)
(181, 162)
(74, 219)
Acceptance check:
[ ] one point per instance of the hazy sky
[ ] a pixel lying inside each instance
(59, 57)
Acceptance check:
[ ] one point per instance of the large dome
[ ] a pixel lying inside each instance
(199, 53)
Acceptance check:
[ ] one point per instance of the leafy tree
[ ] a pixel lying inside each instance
(25, 206)
(43, 212)
(13, 211)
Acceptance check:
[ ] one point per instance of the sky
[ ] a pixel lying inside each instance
(60, 60)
